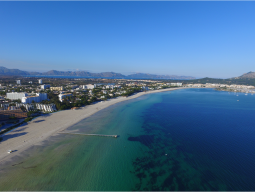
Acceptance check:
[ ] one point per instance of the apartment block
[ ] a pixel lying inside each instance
(37, 98)
(56, 88)
(15, 95)
(89, 86)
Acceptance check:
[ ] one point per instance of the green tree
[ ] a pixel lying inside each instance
(23, 108)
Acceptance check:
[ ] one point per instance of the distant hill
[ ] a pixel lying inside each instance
(245, 81)
(151, 76)
(249, 75)
(5, 71)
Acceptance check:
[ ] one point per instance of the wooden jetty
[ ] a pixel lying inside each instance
(101, 135)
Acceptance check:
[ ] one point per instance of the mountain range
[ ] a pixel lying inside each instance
(5, 71)
(17, 72)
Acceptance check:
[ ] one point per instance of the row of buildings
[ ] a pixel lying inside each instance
(39, 106)
(233, 87)
(40, 81)
(174, 84)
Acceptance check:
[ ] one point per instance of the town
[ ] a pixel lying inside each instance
(25, 98)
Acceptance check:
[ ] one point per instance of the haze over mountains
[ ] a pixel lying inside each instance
(6, 71)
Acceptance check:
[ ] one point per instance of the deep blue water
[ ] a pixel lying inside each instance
(214, 139)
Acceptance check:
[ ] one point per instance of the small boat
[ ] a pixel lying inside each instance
(237, 100)
(166, 154)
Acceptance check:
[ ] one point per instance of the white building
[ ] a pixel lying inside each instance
(174, 84)
(62, 96)
(89, 86)
(15, 95)
(144, 88)
(109, 86)
(41, 107)
(117, 86)
(28, 107)
(46, 107)
(45, 86)
(18, 82)
(38, 98)
(40, 81)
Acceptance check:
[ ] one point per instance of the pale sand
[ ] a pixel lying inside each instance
(43, 127)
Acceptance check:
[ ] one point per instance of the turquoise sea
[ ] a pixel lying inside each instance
(188, 139)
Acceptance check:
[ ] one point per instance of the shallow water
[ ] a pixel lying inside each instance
(191, 139)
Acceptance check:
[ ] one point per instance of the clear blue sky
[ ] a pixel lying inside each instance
(200, 39)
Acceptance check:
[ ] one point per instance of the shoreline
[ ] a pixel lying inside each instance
(42, 127)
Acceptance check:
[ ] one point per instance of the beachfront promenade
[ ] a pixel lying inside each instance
(43, 127)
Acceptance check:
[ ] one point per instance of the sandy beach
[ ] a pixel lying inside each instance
(48, 125)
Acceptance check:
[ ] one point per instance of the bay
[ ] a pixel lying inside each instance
(189, 139)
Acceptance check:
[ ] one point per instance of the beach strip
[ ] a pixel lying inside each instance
(48, 125)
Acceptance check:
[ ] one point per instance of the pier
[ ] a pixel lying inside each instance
(100, 135)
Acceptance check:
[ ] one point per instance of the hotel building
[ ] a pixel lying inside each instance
(38, 98)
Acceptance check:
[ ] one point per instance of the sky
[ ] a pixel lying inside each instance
(191, 38)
